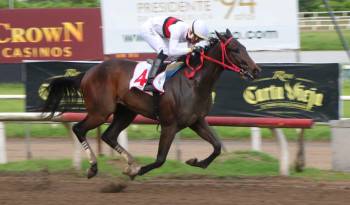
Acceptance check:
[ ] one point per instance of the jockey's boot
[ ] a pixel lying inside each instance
(154, 71)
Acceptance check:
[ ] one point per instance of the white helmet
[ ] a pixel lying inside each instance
(200, 29)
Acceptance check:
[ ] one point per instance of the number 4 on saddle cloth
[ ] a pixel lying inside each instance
(141, 71)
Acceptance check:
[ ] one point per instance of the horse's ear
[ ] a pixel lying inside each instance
(219, 36)
(228, 32)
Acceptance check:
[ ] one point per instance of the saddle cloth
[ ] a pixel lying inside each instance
(141, 71)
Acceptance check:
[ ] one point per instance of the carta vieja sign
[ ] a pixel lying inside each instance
(283, 90)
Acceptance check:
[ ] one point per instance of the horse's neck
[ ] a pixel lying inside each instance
(211, 71)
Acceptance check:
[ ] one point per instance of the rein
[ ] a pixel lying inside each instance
(230, 66)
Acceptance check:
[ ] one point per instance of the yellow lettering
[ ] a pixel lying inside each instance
(34, 35)
(56, 52)
(5, 52)
(17, 35)
(6, 27)
(290, 94)
(262, 94)
(35, 52)
(27, 52)
(17, 52)
(319, 99)
(299, 92)
(44, 52)
(249, 96)
(76, 31)
(67, 51)
(52, 34)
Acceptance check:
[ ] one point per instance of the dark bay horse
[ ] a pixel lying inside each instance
(185, 103)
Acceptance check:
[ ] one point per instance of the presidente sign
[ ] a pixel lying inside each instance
(50, 34)
(258, 24)
(283, 90)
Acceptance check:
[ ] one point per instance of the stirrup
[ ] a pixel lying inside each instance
(149, 86)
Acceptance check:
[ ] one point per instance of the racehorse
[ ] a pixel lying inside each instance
(185, 102)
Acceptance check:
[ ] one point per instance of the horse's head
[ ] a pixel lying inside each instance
(235, 53)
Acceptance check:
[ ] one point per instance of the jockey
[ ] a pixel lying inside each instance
(164, 35)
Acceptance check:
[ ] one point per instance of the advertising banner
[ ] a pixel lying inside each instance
(283, 90)
(50, 34)
(258, 24)
(37, 74)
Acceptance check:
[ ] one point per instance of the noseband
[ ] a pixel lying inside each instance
(224, 57)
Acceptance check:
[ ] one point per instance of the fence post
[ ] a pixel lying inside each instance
(28, 143)
(3, 157)
(177, 146)
(284, 154)
(300, 158)
(256, 138)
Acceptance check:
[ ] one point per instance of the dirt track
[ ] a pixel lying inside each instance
(45, 188)
(69, 189)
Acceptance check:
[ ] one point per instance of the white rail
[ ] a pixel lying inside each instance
(313, 21)
(345, 98)
(12, 97)
(323, 13)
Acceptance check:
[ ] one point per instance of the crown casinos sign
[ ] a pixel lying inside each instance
(283, 90)
(50, 34)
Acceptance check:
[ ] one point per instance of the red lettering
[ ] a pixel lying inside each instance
(142, 78)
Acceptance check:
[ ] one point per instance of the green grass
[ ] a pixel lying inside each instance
(37, 165)
(346, 87)
(12, 89)
(241, 163)
(51, 4)
(321, 175)
(322, 40)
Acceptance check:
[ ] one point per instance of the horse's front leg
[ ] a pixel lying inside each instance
(166, 138)
(202, 128)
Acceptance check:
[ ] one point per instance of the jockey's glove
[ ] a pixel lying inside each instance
(196, 49)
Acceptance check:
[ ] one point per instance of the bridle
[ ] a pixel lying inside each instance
(224, 57)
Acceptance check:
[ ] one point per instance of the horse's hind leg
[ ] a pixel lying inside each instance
(80, 129)
(202, 128)
(121, 119)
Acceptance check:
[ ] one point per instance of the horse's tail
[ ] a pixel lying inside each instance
(63, 92)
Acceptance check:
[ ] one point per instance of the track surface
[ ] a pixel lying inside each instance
(44, 188)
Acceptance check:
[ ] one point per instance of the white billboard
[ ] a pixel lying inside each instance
(258, 24)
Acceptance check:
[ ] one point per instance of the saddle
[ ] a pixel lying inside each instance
(170, 67)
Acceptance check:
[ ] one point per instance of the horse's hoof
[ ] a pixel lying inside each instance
(192, 162)
(132, 171)
(92, 171)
